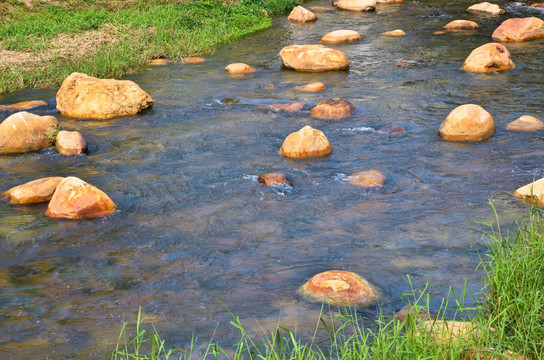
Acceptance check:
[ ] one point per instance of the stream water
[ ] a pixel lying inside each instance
(194, 227)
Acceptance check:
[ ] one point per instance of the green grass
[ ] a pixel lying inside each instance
(508, 319)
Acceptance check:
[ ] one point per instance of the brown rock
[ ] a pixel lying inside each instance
(76, 199)
(23, 132)
(239, 68)
(32, 192)
(451, 332)
(532, 193)
(397, 32)
(392, 129)
(70, 143)
(340, 36)
(296, 106)
(305, 143)
(519, 29)
(525, 123)
(367, 178)
(339, 287)
(357, 5)
(273, 179)
(86, 97)
(334, 108)
(301, 14)
(193, 60)
(488, 57)
(485, 8)
(467, 122)
(159, 62)
(322, 9)
(25, 105)
(312, 87)
(461, 25)
(313, 58)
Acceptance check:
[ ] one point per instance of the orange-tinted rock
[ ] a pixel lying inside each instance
(70, 143)
(467, 122)
(392, 129)
(159, 62)
(440, 32)
(322, 9)
(488, 57)
(538, 5)
(451, 332)
(25, 105)
(340, 36)
(193, 60)
(525, 123)
(32, 192)
(461, 25)
(403, 63)
(296, 106)
(301, 14)
(312, 87)
(485, 8)
(85, 97)
(305, 143)
(407, 311)
(532, 193)
(397, 32)
(313, 58)
(519, 29)
(367, 178)
(239, 68)
(76, 199)
(339, 287)
(23, 132)
(357, 5)
(273, 179)
(334, 108)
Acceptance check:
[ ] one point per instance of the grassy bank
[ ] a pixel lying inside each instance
(43, 43)
(507, 323)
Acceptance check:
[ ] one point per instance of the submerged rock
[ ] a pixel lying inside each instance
(357, 5)
(273, 178)
(193, 60)
(301, 14)
(70, 143)
(296, 106)
(485, 8)
(519, 29)
(312, 87)
(37, 191)
(23, 132)
(367, 178)
(340, 36)
(85, 97)
(239, 68)
(313, 58)
(337, 287)
(334, 108)
(159, 62)
(392, 129)
(467, 122)
(305, 143)
(461, 25)
(532, 193)
(25, 105)
(525, 123)
(397, 32)
(488, 57)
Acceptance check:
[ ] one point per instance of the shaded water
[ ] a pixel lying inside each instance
(194, 227)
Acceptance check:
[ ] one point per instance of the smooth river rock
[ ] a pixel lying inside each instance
(86, 97)
(239, 68)
(367, 178)
(306, 143)
(273, 178)
(397, 32)
(338, 287)
(292, 107)
(313, 58)
(488, 57)
(334, 108)
(302, 15)
(193, 60)
(76, 199)
(532, 193)
(461, 25)
(159, 62)
(312, 87)
(70, 143)
(23, 132)
(357, 5)
(37, 191)
(485, 8)
(519, 29)
(467, 122)
(525, 123)
(340, 36)
(25, 105)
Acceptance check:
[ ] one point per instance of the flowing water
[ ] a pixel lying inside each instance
(194, 227)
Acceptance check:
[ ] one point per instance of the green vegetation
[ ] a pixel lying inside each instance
(43, 44)
(507, 323)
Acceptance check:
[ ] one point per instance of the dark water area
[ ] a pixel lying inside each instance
(194, 227)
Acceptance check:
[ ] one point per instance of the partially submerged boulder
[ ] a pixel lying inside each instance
(193, 60)
(488, 57)
(273, 178)
(340, 36)
(37, 191)
(312, 87)
(23, 132)
(70, 143)
(313, 58)
(334, 108)
(485, 8)
(239, 68)
(367, 178)
(461, 25)
(519, 29)
(302, 15)
(525, 123)
(305, 143)
(392, 129)
(25, 105)
(159, 62)
(532, 193)
(467, 122)
(397, 32)
(86, 97)
(356, 5)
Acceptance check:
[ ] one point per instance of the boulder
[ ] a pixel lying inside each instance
(25, 105)
(485, 8)
(239, 68)
(488, 57)
(305, 143)
(159, 62)
(193, 60)
(392, 129)
(357, 5)
(23, 132)
(397, 32)
(525, 123)
(340, 36)
(532, 193)
(467, 122)
(296, 106)
(313, 58)
(70, 143)
(338, 287)
(519, 29)
(76, 199)
(273, 178)
(367, 178)
(32, 192)
(334, 108)
(85, 97)
(312, 87)
(302, 15)
(461, 25)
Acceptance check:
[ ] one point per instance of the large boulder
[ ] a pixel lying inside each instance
(525, 123)
(461, 25)
(340, 36)
(357, 5)
(76, 199)
(367, 178)
(85, 97)
(70, 143)
(302, 15)
(25, 105)
(334, 108)
(467, 122)
(313, 58)
(519, 29)
(532, 193)
(485, 8)
(23, 132)
(305, 143)
(40, 190)
(488, 57)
